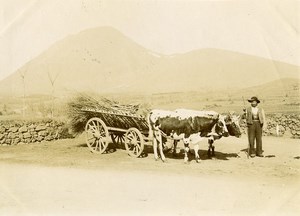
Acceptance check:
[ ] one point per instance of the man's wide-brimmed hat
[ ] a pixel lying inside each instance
(254, 99)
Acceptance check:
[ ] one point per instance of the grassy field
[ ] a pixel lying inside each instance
(40, 106)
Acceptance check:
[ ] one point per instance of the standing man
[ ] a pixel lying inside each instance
(256, 121)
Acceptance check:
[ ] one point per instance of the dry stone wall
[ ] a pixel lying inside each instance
(21, 132)
(282, 125)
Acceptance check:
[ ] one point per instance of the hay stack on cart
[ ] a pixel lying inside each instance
(104, 120)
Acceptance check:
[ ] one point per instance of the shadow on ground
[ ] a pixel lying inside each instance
(148, 149)
(266, 156)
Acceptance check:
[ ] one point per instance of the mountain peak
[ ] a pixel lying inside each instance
(104, 60)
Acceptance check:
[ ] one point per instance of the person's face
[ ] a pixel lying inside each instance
(254, 103)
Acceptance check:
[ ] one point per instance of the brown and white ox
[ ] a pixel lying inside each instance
(191, 126)
(232, 122)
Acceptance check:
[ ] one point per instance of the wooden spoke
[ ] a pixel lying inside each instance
(117, 139)
(91, 128)
(113, 138)
(97, 145)
(137, 147)
(91, 138)
(91, 141)
(121, 139)
(102, 144)
(94, 125)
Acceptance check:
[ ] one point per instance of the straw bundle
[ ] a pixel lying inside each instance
(114, 114)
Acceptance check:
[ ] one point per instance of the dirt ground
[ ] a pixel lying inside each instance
(63, 178)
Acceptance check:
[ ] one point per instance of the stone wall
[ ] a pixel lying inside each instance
(282, 125)
(21, 132)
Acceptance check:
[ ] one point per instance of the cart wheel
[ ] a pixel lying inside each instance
(118, 139)
(96, 135)
(134, 142)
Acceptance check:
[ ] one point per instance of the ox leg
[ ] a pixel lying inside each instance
(160, 146)
(210, 147)
(155, 148)
(174, 148)
(209, 153)
(196, 149)
(186, 151)
(213, 151)
(158, 138)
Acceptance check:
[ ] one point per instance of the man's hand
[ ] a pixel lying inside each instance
(264, 127)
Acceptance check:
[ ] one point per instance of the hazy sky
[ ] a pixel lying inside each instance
(268, 29)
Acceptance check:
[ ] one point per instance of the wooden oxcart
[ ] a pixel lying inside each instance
(117, 127)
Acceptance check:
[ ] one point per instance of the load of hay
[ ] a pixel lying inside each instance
(124, 116)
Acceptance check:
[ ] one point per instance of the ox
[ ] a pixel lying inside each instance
(232, 124)
(188, 125)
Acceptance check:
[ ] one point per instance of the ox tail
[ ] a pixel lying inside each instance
(150, 135)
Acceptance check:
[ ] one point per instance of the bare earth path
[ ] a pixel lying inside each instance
(64, 178)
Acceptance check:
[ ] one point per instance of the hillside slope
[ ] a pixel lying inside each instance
(104, 60)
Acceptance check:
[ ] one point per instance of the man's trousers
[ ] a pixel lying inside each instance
(255, 133)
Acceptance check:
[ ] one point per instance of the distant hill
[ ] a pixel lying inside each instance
(282, 95)
(286, 87)
(103, 60)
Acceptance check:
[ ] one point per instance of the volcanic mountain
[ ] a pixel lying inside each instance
(103, 60)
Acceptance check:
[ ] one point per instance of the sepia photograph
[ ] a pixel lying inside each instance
(150, 107)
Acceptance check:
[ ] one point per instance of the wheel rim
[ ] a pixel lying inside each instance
(96, 135)
(134, 142)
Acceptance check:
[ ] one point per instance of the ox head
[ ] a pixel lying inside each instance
(233, 124)
(220, 128)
